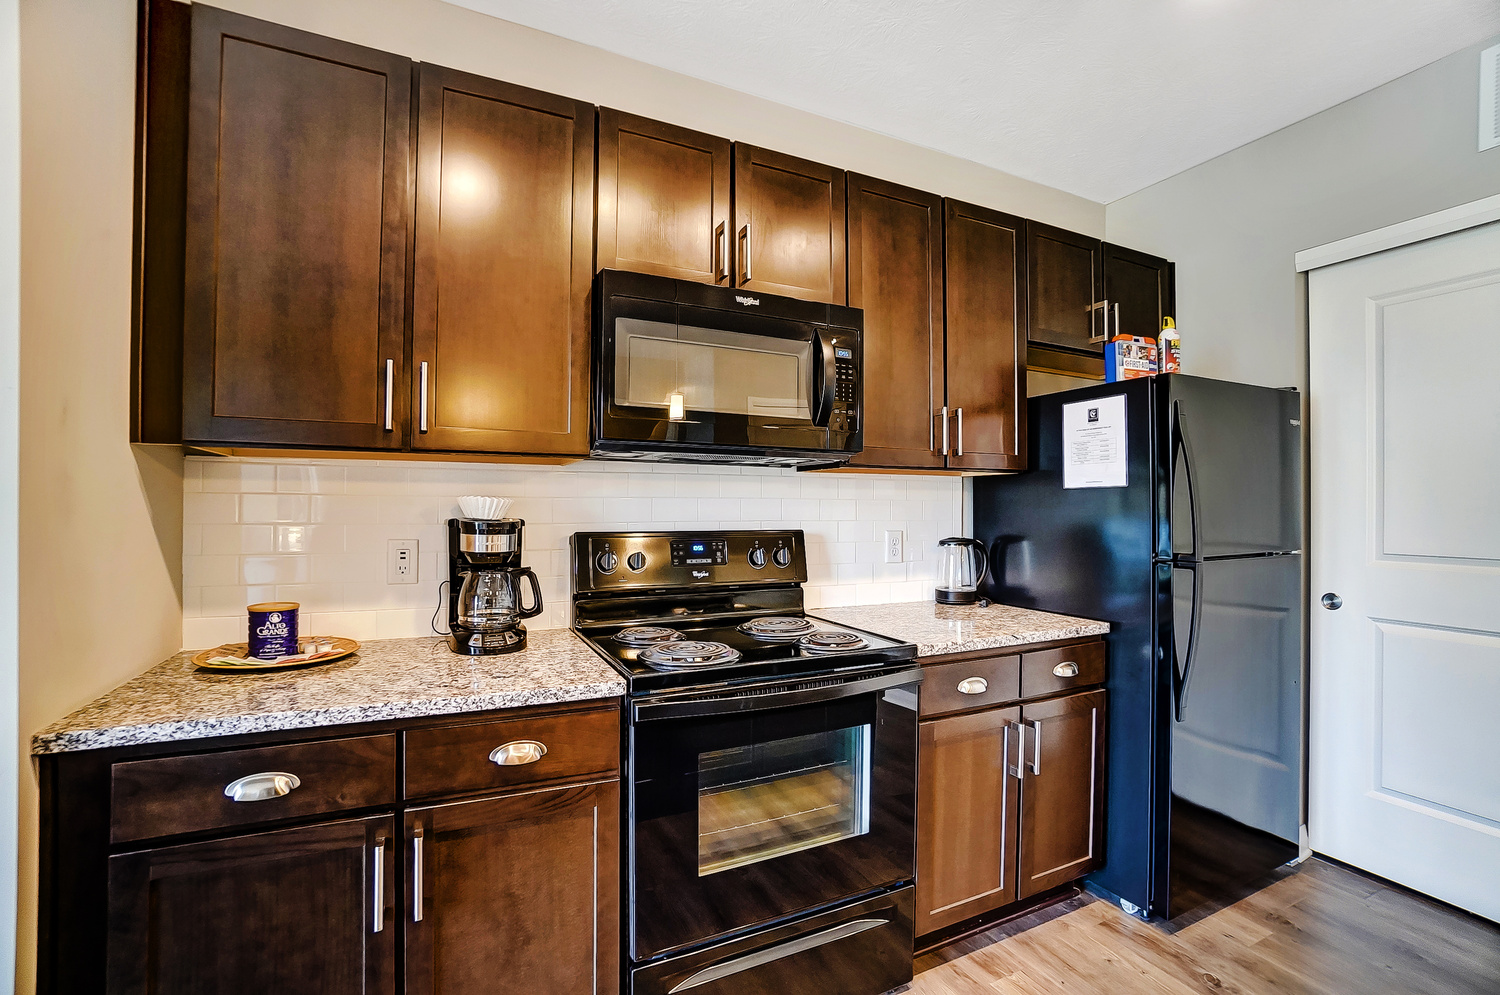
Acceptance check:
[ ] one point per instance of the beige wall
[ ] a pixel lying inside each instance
(1233, 224)
(10, 381)
(101, 552)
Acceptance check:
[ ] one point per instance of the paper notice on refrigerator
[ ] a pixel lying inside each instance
(1094, 452)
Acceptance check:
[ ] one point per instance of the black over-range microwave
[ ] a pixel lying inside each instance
(685, 372)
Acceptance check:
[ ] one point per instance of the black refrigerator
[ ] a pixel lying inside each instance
(1171, 507)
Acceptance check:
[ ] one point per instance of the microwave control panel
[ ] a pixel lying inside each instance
(846, 390)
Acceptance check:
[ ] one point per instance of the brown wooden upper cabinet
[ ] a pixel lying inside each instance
(500, 322)
(896, 276)
(788, 228)
(298, 155)
(985, 254)
(664, 199)
(1083, 292)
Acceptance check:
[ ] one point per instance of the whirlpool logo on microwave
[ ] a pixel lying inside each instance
(747, 301)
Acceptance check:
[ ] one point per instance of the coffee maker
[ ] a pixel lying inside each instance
(484, 586)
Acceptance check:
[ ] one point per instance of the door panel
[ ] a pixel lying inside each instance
(1137, 283)
(896, 276)
(1237, 747)
(788, 226)
(1062, 791)
(519, 891)
(1065, 270)
(298, 152)
(288, 911)
(966, 817)
(663, 199)
(986, 312)
(1406, 465)
(504, 226)
(1242, 447)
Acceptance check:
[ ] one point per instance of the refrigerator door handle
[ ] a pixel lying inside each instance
(1180, 441)
(1181, 675)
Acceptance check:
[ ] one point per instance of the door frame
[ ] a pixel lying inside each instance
(1435, 225)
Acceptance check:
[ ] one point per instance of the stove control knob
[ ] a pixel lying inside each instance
(756, 557)
(636, 561)
(606, 562)
(782, 557)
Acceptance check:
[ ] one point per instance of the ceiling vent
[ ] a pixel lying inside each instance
(1489, 98)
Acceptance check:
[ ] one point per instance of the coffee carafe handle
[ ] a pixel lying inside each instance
(536, 593)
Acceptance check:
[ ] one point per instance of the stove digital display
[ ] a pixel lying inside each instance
(700, 552)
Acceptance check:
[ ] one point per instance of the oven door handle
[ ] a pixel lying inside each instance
(824, 380)
(753, 701)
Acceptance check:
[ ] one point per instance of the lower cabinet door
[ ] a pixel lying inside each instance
(966, 817)
(295, 911)
(1062, 791)
(515, 894)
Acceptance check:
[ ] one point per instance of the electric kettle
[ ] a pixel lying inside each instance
(962, 564)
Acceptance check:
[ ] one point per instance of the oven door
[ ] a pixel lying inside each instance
(770, 801)
(695, 376)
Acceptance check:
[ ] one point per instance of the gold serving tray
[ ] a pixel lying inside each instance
(236, 656)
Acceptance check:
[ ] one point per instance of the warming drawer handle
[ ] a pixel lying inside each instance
(1065, 669)
(750, 961)
(521, 751)
(973, 685)
(262, 787)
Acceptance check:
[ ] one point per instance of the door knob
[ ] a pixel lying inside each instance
(1332, 601)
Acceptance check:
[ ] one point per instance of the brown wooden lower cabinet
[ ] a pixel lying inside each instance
(516, 893)
(299, 910)
(1010, 795)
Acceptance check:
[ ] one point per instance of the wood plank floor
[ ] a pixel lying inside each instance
(1318, 930)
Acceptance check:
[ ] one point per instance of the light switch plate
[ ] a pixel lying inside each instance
(401, 561)
(895, 542)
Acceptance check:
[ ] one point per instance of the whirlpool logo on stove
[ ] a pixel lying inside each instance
(748, 301)
(700, 574)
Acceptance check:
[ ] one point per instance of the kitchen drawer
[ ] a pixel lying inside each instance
(1062, 669)
(966, 684)
(457, 759)
(170, 795)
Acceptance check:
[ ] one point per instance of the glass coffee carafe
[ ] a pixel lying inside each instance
(490, 599)
(962, 564)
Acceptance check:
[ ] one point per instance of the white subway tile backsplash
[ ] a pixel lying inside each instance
(315, 531)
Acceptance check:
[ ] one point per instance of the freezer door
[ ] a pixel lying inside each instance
(1237, 722)
(1233, 454)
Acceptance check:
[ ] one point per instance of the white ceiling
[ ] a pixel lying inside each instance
(1096, 97)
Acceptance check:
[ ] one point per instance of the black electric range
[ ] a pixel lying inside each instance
(770, 768)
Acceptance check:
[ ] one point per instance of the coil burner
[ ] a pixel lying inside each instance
(831, 641)
(687, 654)
(778, 628)
(646, 635)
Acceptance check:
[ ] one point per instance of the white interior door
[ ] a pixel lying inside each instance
(1404, 777)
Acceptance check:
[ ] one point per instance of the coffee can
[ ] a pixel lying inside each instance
(273, 629)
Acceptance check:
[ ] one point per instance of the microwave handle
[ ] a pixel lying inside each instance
(824, 380)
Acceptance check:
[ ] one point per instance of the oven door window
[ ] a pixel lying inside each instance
(711, 370)
(767, 800)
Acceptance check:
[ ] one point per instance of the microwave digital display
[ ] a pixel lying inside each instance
(842, 353)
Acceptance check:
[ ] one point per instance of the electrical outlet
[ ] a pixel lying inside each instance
(894, 541)
(401, 561)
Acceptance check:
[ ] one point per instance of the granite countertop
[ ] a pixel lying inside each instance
(941, 629)
(386, 679)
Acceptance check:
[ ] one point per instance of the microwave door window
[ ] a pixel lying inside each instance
(718, 372)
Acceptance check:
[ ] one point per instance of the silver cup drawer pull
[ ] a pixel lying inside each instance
(973, 685)
(521, 751)
(1066, 669)
(262, 787)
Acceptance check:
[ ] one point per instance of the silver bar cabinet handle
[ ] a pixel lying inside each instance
(721, 251)
(379, 923)
(422, 401)
(416, 876)
(1019, 770)
(262, 787)
(1117, 317)
(960, 431)
(1036, 746)
(745, 252)
(390, 387)
(945, 430)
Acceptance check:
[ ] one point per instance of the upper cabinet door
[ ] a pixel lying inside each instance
(1064, 289)
(298, 170)
(663, 199)
(500, 324)
(896, 275)
(986, 309)
(1136, 288)
(788, 226)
